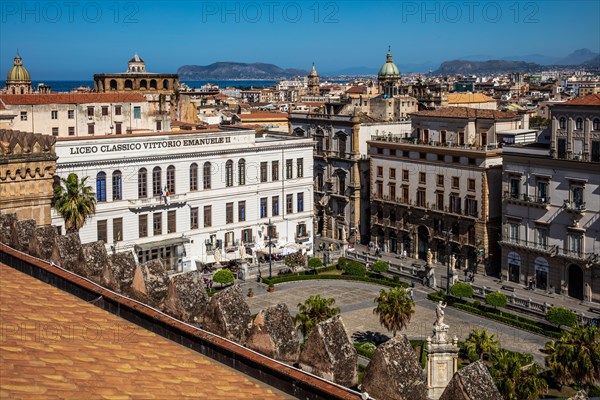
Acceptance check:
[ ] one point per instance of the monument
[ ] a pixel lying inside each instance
(442, 355)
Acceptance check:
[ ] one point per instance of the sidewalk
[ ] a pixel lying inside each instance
(494, 283)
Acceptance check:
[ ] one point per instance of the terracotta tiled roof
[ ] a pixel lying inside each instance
(589, 100)
(260, 115)
(465, 112)
(461, 98)
(357, 89)
(2, 105)
(71, 98)
(64, 348)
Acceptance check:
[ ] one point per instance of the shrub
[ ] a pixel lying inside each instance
(354, 268)
(365, 349)
(294, 260)
(461, 289)
(341, 263)
(380, 266)
(561, 316)
(223, 276)
(496, 299)
(315, 262)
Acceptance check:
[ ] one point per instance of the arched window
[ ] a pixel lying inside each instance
(165, 84)
(113, 84)
(101, 186)
(128, 84)
(143, 84)
(117, 187)
(562, 123)
(171, 179)
(207, 171)
(342, 146)
(242, 172)
(579, 123)
(142, 183)
(229, 173)
(153, 84)
(596, 125)
(341, 183)
(193, 177)
(156, 181)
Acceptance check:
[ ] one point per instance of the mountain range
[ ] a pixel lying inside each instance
(235, 70)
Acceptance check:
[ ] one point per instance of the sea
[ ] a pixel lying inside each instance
(67, 86)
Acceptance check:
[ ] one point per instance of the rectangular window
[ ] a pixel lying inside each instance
(380, 172)
(118, 128)
(90, 111)
(515, 188)
(117, 229)
(440, 180)
(23, 115)
(379, 189)
(392, 173)
(263, 171)
(405, 197)
(241, 211)
(471, 185)
(104, 111)
(471, 207)
(158, 126)
(90, 129)
(576, 244)
(117, 110)
(275, 206)
(542, 191)
(157, 223)
(194, 218)
(577, 196)
(275, 170)
(101, 228)
(300, 202)
(455, 182)
(247, 236)
(542, 238)
(207, 216)
(137, 112)
(405, 175)
(422, 177)
(172, 221)
(439, 201)
(71, 114)
(71, 131)
(562, 148)
(54, 114)
(420, 198)
(289, 203)
(288, 169)
(300, 167)
(143, 225)
(455, 206)
(263, 207)
(595, 150)
(392, 188)
(229, 213)
(513, 232)
(55, 131)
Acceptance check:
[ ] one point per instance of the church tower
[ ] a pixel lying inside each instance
(18, 80)
(389, 77)
(313, 82)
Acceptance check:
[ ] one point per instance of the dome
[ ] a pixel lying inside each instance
(389, 68)
(313, 71)
(18, 72)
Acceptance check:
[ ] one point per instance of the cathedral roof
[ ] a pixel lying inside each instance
(136, 58)
(389, 68)
(313, 71)
(18, 73)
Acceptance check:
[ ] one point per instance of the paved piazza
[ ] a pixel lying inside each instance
(355, 300)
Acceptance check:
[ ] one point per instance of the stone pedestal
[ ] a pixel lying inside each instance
(442, 360)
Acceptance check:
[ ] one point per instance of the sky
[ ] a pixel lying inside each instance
(74, 39)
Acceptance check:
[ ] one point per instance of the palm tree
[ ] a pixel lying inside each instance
(575, 357)
(517, 376)
(74, 201)
(395, 309)
(480, 343)
(313, 311)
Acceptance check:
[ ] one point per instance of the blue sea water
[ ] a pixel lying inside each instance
(67, 86)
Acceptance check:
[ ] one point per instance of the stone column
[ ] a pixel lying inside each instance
(442, 360)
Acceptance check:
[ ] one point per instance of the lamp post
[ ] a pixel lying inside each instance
(448, 251)
(270, 259)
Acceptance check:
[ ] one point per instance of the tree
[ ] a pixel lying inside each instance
(380, 266)
(355, 268)
(223, 276)
(313, 311)
(461, 289)
(575, 357)
(74, 201)
(480, 343)
(561, 316)
(315, 263)
(295, 260)
(496, 299)
(395, 309)
(517, 376)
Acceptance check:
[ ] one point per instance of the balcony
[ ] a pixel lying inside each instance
(302, 237)
(527, 199)
(538, 247)
(174, 200)
(574, 206)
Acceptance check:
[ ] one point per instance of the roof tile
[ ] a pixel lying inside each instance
(71, 98)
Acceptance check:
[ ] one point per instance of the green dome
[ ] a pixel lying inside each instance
(18, 72)
(389, 68)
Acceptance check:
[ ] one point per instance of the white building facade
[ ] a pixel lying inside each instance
(194, 198)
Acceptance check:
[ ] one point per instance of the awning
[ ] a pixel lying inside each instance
(161, 243)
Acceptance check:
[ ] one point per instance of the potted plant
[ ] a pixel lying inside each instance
(250, 292)
(271, 287)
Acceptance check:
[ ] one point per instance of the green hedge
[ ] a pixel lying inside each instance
(365, 349)
(423, 355)
(507, 318)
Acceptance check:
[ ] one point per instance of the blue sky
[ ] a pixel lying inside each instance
(74, 40)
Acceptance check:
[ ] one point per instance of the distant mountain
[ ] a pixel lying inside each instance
(236, 70)
(578, 57)
(593, 63)
(485, 67)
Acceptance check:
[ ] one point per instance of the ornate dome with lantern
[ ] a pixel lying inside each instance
(18, 80)
(389, 77)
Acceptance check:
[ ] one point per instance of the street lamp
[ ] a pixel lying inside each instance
(447, 234)
(270, 259)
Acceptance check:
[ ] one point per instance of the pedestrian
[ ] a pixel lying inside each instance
(533, 283)
(466, 275)
(530, 284)
(404, 254)
(410, 293)
(331, 247)
(367, 246)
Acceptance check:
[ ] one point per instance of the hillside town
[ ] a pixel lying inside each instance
(208, 209)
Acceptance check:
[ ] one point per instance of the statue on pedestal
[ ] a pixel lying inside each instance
(429, 257)
(453, 262)
(439, 314)
(218, 257)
